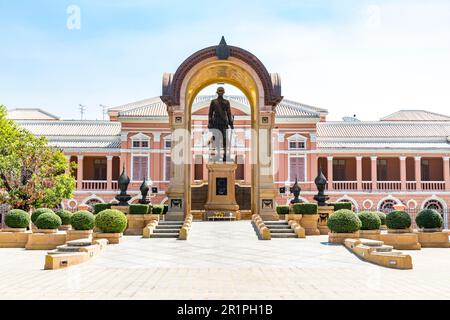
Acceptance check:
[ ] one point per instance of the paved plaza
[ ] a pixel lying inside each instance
(224, 260)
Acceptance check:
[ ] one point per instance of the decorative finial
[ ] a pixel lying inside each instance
(223, 51)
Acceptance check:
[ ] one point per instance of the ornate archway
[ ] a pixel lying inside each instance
(240, 68)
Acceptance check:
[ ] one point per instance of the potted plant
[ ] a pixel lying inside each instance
(65, 219)
(16, 235)
(112, 224)
(35, 215)
(82, 226)
(137, 219)
(370, 225)
(283, 212)
(343, 224)
(46, 236)
(310, 217)
(399, 234)
(158, 210)
(430, 234)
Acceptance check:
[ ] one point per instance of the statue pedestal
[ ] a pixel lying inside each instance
(324, 213)
(221, 190)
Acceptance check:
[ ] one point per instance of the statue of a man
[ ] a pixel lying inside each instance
(221, 119)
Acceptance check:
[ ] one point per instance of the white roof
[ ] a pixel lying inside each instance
(415, 115)
(30, 114)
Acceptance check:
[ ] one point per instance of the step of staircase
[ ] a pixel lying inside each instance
(168, 226)
(171, 223)
(273, 223)
(274, 231)
(275, 227)
(177, 231)
(283, 235)
(164, 235)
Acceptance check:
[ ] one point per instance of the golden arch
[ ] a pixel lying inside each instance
(246, 72)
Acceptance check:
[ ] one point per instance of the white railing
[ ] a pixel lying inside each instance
(115, 185)
(94, 185)
(433, 185)
(345, 185)
(411, 185)
(389, 185)
(367, 185)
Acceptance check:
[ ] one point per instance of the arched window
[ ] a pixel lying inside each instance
(387, 205)
(435, 205)
(92, 202)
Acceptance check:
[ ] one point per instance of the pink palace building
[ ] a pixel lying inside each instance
(401, 158)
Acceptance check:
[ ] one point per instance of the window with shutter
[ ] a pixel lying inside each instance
(140, 168)
(167, 173)
(297, 168)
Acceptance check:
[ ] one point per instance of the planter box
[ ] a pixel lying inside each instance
(370, 234)
(309, 223)
(397, 231)
(45, 241)
(293, 216)
(137, 223)
(113, 238)
(65, 227)
(401, 241)
(383, 227)
(14, 238)
(79, 234)
(339, 238)
(46, 231)
(433, 239)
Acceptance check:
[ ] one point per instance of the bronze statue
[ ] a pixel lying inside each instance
(221, 119)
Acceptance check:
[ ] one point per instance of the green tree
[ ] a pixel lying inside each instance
(32, 174)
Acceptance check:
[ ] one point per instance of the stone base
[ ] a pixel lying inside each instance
(137, 222)
(14, 239)
(370, 234)
(293, 217)
(113, 238)
(309, 223)
(324, 230)
(339, 238)
(228, 215)
(174, 216)
(45, 241)
(65, 227)
(45, 231)
(433, 239)
(269, 216)
(401, 241)
(79, 234)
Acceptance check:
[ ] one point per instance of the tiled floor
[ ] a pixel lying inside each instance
(224, 260)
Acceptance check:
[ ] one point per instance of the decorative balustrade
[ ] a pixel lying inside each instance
(389, 185)
(367, 185)
(411, 185)
(94, 185)
(345, 185)
(433, 185)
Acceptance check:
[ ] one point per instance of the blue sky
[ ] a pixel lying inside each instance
(368, 58)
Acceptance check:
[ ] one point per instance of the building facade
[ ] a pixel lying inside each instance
(402, 158)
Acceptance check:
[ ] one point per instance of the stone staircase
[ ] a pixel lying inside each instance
(167, 229)
(280, 229)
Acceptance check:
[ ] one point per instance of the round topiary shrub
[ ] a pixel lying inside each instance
(35, 215)
(17, 219)
(398, 220)
(429, 219)
(48, 220)
(382, 217)
(111, 221)
(369, 220)
(65, 216)
(344, 221)
(82, 220)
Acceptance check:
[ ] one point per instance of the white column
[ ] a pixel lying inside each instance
(359, 176)
(330, 172)
(418, 172)
(109, 168)
(403, 172)
(446, 162)
(80, 172)
(374, 175)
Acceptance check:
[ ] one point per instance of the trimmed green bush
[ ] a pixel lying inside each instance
(429, 219)
(382, 217)
(344, 221)
(369, 220)
(111, 221)
(17, 219)
(165, 208)
(82, 220)
(48, 220)
(65, 216)
(35, 215)
(158, 209)
(342, 205)
(99, 207)
(305, 208)
(283, 209)
(138, 208)
(398, 220)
